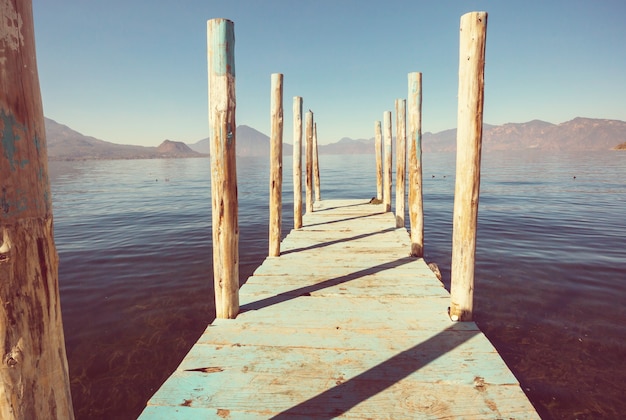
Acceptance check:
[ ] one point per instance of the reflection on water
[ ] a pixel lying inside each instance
(135, 267)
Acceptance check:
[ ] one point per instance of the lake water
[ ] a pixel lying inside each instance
(134, 241)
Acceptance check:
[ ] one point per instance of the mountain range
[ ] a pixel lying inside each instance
(579, 134)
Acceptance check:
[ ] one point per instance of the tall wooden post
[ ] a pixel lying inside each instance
(316, 165)
(309, 161)
(416, 207)
(400, 161)
(276, 164)
(297, 162)
(379, 159)
(469, 139)
(388, 169)
(34, 380)
(222, 132)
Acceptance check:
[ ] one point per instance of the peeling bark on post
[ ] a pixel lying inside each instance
(34, 380)
(222, 132)
(469, 140)
(309, 161)
(316, 165)
(379, 159)
(388, 161)
(416, 206)
(400, 161)
(297, 162)
(276, 164)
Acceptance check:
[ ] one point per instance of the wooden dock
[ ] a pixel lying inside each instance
(344, 323)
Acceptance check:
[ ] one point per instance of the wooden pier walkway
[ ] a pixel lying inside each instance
(343, 324)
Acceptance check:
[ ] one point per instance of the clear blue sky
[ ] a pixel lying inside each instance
(135, 71)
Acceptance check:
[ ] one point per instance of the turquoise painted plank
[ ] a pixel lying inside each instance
(322, 363)
(333, 338)
(258, 290)
(363, 397)
(186, 412)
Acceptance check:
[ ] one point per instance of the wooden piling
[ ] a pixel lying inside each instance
(309, 161)
(416, 207)
(34, 380)
(400, 161)
(222, 132)
(316, 165)
(388, 163)
(469, 139)
(379, 159)
(276, 164)
(297, 162)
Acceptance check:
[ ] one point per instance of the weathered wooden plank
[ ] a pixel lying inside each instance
(365, 396)
(368, 286)
(322, 363)
(353, 267)
(459, 340)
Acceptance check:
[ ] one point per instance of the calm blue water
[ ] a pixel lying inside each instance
(135, 267)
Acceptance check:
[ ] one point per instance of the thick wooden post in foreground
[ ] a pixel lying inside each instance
(309, 161)
(276, 164)
(388, 169)
(469, 139)
(316, 165)
(297, 162)
(34, 381)
(379, 159)
(222, 133)
(416, 207)
(400, 161)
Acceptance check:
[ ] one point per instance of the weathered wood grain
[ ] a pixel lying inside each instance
(297, 162)
(222, 134)
(343, 324)
(276, 164)
(469, 140)
(400, 161)
(34, 381)
(416, 205)
(316, 165)
(378, 149)
(308, 121)
(388, 171)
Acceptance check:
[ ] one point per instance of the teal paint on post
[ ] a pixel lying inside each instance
(417, 135)
(222, 45)
(9, 137)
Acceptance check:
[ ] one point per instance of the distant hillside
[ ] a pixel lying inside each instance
(67, 144)
(579, 134)
(347, 146)
(250, 142)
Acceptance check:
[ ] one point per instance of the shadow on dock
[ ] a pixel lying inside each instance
(307, 290)
(335, 242)
(346, 395)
